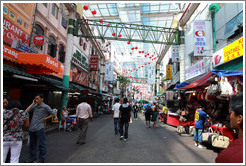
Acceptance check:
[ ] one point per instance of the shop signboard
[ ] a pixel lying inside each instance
(38, 40)
(81, 77)
(218, 57)
(109, 71)
(168, 72)
(11, 31)
(93, 62)
(10, 53)
(22, 47)
(233, 50)
(200, 38)
(175, 53)
(151, 74)
(196, 69)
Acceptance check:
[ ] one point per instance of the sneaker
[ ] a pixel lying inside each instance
(196, 144)
(201, 147)
(125, 140)
(121, 137)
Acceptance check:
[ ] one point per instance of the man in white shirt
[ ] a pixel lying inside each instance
(83, 113)
(115, 115)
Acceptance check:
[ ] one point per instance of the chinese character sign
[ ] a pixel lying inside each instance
(196, 69)
(93, 62)
(151, 74)
(109, 71)
(175, 53)
(200, 38)
(168, 72)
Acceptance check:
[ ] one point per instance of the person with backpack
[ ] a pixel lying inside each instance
(124, 119)
(148, 111)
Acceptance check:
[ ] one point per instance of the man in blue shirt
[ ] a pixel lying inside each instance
(200, 117)
(148, 109)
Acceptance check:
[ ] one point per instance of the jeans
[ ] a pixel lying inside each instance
(135, 115)
(38, 138)
(198, 135)
(82, 130)
(15, 147)
(116, 125)
(122, 124)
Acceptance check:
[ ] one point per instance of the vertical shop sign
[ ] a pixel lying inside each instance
(200, 38)
(218, 58)
(175, 53)
(151, 74)
(93, 62)
(109, 71)
(196, 69)
(168, 72)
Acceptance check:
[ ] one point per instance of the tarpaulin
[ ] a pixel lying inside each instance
(225, 73)
(177, 86)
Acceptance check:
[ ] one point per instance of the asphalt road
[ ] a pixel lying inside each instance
(144, 145)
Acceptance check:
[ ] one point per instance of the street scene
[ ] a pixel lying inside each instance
(122, 82)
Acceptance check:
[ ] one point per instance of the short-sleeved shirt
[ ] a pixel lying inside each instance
(200, 117)
(135, 108)
(39, 113)
(84, 111)
(12, 130)
(116, 110)
(125, 112)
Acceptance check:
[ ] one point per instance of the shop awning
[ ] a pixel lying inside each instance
(37, 63)
(183, 84)
(224, 73)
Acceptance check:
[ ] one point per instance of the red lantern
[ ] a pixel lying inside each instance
(132, 48)
(145, 63)
(149, 62)
(142, 66)
(113, 34)
(136, 48)
(119, 35)
(154, 58)
(139, 52)
(150, 57)
(94, 12)
(85, 7)
(128, 42)
(142, 51)
(137, 69)
(134, 69)
(107, 25)
(128, 69)
(100, 20)
(148, 54)
(131, 70)
(145, 56)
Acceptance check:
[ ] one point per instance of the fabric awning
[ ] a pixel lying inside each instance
(224, 73)
(39, 63)
(183, 84)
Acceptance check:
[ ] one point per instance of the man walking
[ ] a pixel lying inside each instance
(83, 113)
(124, 119)
(148, 111)
(115, 115)
(135, 111)
(41, 112)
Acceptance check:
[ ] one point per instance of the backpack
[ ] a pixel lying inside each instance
(148, 109)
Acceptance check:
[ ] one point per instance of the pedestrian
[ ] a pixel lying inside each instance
(124, 119)
(13, 121)
(83, 113)
(5, 103)
(154, 114)
(148, 112)
(158, 113)
(115, 115)
(135, 111)
(41, 112)
(64, 117)
(200, 117)
(234, 152)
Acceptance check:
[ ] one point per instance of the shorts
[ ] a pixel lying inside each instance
(147, 116)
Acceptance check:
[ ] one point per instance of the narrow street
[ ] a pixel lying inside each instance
(144, 145)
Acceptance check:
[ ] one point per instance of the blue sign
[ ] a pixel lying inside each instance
(24, 48)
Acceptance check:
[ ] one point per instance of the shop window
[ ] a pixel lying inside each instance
(85, 46)
(12, 15)
(19, 20)
(39, 31)
(45, 4)
(64, 22)
(81, 42)
(54, 11)
(52, 47)
(25, 25)
(64, 18)
(5, 10)
(61, 53)
(92, 51)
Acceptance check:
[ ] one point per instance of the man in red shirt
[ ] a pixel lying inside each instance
(234, 152)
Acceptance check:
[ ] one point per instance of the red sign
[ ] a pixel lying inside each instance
(93, 62)
(81, 78)
(10, 53)
(11, 31)
(38, 40)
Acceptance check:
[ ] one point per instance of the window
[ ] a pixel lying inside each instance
(64, 22)
(61, 53)
(64, 18)
(81, 42)
(52, 46)
(19, 20)
(25, 25)
(5, 9)
(45, 4)
(54, 10)
(12, 15)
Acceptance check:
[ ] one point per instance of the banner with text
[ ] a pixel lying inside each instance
(196, 69)
(175, 53)
(169, 72)
(200, 38)
(151, 74)
(109, 73)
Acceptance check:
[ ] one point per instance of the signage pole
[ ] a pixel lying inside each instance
(182, 58)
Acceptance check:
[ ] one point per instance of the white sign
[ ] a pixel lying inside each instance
(151, 74)
(200, 38)
(218, 57)
(196, 69)
(175, 53)
(109, 73)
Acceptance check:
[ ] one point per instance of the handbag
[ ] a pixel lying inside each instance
(220, 141)
(226, 88)
(181, 129)
(214, 89)
(191, 130)
(205, 135)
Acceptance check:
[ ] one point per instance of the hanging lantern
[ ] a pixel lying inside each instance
(149, 62)
(119, 35)
(142, 51)
(132, 48)
(134, 69)
(145, 56)
(100, 20)
(85, 7)
(94, 12)
(137, 69)
(131, 70)
(128, 42)
(128, 69)
(113, 34)
(107, 25)
(145, 63)
(148, 54)
(139, 52)
(150, 57)
(142, 66)
(136, 48)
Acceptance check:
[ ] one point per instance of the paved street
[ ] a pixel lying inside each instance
(144, 145)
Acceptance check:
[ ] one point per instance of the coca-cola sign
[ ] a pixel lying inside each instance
(11, 31)
(81, 78)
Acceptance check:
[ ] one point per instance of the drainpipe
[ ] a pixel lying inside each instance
(33, 23)
(214, 8)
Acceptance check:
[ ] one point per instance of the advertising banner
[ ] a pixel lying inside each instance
(10, 53)
(200, 38)
(22, 47)
(175, 53)
(151, 74)
(196, 69)
(109, 71)
(169, 72)
(93, 62)
(233, 50)
(80, 77)
(218, 57)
